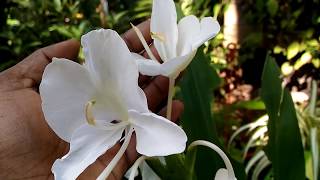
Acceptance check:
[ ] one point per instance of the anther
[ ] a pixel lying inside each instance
(158, 36)
(89, 114)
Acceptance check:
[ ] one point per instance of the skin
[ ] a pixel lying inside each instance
(28, 147)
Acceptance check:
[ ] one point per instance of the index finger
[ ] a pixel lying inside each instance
(133, 41)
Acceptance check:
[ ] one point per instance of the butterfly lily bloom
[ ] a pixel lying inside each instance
(175, 43)
(95, 105)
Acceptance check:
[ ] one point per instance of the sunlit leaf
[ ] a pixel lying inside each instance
(293, 50)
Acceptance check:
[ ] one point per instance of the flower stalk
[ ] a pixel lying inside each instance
(170, 97)
(135, 166)
(106, 172)
(230, 173)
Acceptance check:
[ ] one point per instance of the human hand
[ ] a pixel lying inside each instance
(28, 146)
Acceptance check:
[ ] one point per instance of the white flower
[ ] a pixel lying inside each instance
(176, 44)
(91, 105)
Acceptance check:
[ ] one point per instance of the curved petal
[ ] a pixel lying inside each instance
(106, 57)
(65, 88)
(164, 25)
(148, 67)
(175, 66)
(188, 29)
(87, 144)
(156, 135)
(209, 28)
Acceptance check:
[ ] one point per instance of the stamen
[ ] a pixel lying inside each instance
(106, 172)
(158, 36)
(135, 166)
(214, 147)
(143, 41)
(89, 114)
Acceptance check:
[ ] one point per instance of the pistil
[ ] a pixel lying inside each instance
(106, 172)
(144, 43)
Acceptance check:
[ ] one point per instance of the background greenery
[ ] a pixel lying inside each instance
(223, 103)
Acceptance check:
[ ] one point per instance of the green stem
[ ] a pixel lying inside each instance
(214, 147)
(170, 97)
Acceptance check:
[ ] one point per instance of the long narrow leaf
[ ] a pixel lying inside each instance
(284, 148)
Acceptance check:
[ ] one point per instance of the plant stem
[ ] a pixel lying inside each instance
(135, 166)
(170, 96)
(219, 151)
(105, 173)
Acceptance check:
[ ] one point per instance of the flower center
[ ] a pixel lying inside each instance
(104, 125)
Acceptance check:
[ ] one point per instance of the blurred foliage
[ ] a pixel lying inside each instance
(46, 22)
(290, 29)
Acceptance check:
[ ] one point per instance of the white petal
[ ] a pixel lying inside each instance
(209, 28)
(148, 67)
(222, 174)
(137, 56)
(110, 60)
(87, 144)
(164, 23)
(173, 67)
(156, 135)
(65, 89)
(188, 29)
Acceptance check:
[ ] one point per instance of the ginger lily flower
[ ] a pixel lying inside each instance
(175, 43)
(92, 105)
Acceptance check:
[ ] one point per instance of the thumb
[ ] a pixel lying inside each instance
(32, 67)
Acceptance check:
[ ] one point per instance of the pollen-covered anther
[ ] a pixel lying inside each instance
(89, 114)
(159, 36)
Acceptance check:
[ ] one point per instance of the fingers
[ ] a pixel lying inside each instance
(143, 79)
(132, 40)
(34, 65)
(177, 110)
(28, 72)
(156, 92)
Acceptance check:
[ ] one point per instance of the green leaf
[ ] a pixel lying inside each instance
(272, 6)
(173, 169)
(57, 5)
(252, 105)
(196, 91)
(284, 148)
